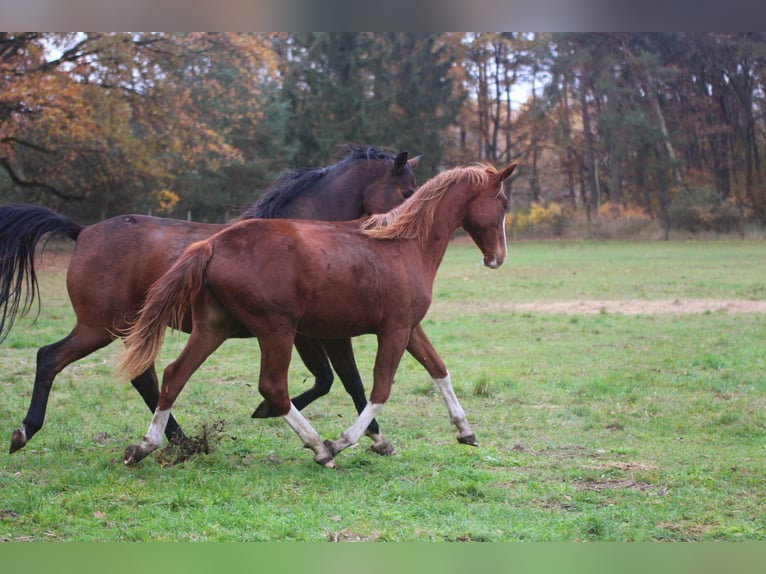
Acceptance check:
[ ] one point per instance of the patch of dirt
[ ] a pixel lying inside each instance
(348, 536)
(641, 306)
(181, 449)
(614, 483)
(692, 529)
(618, 307)
(627, 466)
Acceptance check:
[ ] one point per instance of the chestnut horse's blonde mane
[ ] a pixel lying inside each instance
(413, 218)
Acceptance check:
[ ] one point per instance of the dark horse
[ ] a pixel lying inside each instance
(275, 279)
(115, 261)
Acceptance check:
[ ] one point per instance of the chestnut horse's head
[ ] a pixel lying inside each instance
(485, 220)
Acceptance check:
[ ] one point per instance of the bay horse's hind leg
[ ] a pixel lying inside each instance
(422, 350)
(341, 355)
(51, 359)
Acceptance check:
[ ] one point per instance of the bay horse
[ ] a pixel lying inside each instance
(116, 260)
(327, 280)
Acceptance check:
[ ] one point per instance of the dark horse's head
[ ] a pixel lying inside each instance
(365, 181)
(396, 181)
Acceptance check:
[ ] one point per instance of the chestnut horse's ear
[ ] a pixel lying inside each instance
(400, 162)
(503, 174)
(415, 161)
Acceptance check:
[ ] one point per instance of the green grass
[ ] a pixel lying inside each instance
(597, 427)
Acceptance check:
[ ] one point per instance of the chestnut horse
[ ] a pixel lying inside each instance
(275, 279)
(115, 261)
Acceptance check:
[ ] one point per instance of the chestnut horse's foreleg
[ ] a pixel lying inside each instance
(420, 347)
(200, 345)
(341, 355)
(391, 345)
(276, 348)
(313, 356)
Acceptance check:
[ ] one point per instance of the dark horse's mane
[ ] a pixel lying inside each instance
(290, 185)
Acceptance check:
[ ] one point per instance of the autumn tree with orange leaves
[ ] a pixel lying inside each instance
(104, 121)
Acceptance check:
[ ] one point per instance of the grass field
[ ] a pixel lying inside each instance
(604, 426)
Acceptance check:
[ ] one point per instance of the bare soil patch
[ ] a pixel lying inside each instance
(595, 307)
(640, 306)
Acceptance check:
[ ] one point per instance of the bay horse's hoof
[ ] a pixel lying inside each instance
(469, 439)
(383, 448)
(133, 455)
(264, 411)
(18, 440)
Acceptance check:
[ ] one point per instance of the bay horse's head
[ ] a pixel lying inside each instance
(395, 185)
(485, 220)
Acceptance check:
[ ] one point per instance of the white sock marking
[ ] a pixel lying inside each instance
(302, 428)
(456, 412)
(356, 430)
(153, 436)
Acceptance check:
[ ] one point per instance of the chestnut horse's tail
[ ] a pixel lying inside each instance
(166, 302)
(22, 228)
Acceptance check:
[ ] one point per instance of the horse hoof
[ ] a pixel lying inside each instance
(326, 461)
(383, 448)
(18, 440)
(329, 445)
(469, 439)
(264, 411)
(133, 455)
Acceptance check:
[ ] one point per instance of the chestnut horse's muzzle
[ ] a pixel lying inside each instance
(494, 261)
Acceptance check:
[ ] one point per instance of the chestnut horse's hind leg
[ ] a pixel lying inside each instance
(198, 348)
(421, 348)
(148, 387)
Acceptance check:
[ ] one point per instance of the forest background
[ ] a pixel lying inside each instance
(623, 134)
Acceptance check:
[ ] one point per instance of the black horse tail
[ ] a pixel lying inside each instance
(22, 227)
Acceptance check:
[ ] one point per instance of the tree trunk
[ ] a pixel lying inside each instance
(590, 162)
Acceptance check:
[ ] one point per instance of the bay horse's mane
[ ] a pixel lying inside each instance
(291, 184)
(413, 218)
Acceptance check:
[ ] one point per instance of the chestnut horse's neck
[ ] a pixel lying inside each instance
(448, 216)
(432, 215)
